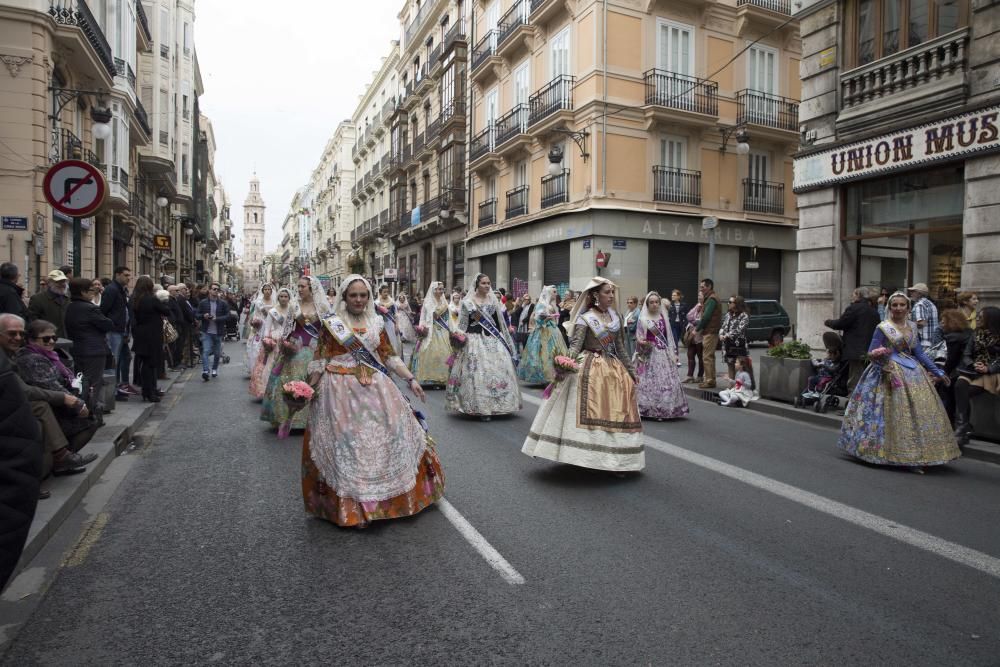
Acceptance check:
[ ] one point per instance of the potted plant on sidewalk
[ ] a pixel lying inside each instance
(785, 370)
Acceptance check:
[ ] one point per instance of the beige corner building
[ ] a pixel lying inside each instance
(616, 127)
(899, 174)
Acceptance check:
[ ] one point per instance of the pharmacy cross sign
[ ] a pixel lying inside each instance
(75, 188)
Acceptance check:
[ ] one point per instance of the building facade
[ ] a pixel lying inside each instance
(898, 176)
(617, 127)
(332, 213)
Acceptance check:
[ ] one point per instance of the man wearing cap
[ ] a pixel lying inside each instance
(51, 302)
(925, 314)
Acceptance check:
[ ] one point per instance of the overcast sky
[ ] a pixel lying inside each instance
(279, 77)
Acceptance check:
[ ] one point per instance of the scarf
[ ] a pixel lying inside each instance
(53, 357)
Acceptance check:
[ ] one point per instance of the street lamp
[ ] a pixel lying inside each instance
(740, 134)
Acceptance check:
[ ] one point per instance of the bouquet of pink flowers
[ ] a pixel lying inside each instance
(257, 324)
(880, 354)
(563, 365)
(381, 310)
(290, 345)
(297, 395)
(268, 343)
(421, 330)
(457, 339)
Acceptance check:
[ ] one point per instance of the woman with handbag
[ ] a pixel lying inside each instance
(148, 314)
(733, 333)
(87, 327)
(692, 342)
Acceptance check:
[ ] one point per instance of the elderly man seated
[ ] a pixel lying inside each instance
(59, 458)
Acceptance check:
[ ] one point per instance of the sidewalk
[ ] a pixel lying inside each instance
(109, 442)
(976, 449)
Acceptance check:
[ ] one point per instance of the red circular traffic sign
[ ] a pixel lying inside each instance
(75, 188)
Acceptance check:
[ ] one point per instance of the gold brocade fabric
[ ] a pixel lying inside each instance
(607, 397)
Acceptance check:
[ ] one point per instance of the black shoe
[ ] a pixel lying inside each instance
(150, 399)
(204, 376)
(72, 464)
(160, 392)
(42, 495)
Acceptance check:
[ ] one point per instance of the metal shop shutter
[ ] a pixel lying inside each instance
(557, 265)
(672, 265)
(766, 279)
(518, 267)
(488, 265)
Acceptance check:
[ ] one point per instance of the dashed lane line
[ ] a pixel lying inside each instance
(479, 543)
(957, 553)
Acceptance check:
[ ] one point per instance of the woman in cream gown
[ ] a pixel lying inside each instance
(429, 362)
(591, 418)
(263, 302)
(271, 334)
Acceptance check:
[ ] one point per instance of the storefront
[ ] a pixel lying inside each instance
(647, 251)
(910, 206)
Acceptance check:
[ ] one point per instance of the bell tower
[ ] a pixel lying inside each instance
(253, 232)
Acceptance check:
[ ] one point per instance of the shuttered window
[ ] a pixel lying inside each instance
(766, 278)
(557, 265)
(674, 265)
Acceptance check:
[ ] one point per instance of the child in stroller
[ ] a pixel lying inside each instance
(830, 379)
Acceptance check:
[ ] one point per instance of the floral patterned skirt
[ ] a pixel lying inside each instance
(260, 374)
(252, 352)
(483, 379)
(429, 361)
(286, 369)
(538, 359)
(895, 417)
(660, 393)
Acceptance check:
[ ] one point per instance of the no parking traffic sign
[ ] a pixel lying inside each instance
(75, 188)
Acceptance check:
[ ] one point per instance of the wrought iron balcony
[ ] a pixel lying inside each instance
(418, 143)
(455, 35)
(482, 143)
(453, 112)
(680, 91)
(433, 130)
(77, 13)
(143, 21)
(777, 6)
(433, 58)
(679, 186)
(555, 189)
(511, 124)
(140, 115)
(555, 96)
(767, 110)
(414, 27)
(485, 48)
(487, 213)
(517, 201)
(763, 197)
(515, 17)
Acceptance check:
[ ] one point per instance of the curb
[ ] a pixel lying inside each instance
(110, 441)
(980, 450)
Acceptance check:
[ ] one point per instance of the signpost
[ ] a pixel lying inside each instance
(77, 189)
(709, 223)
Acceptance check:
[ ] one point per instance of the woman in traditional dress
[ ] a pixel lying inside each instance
(660, 393)
(404, 319)
(894, 417)
(365, 454)
(261, 304)
(591, 419)
(483, 379)
(385, 306)
(545, 343)
(271, 335)
(298, 343)
(429, 362)
(454, 310)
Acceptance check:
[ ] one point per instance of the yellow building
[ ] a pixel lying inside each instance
(617, 126)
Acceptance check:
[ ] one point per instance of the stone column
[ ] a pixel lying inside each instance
(502, 278)
(981, 228)
(536, 270)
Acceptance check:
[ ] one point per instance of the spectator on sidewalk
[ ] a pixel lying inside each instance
(631, 317)
(733, 334)
(96, 290)
(57, 458)
(693, 342)
(857, 326)
(979, 371)
(11, 293)
(743, 388)
(708, 326)
(177, 321)
(115, 306)
(925, 314)
(20, 468)
(50, 303)
(148, 313)
(213, 313)
(189, 326)
(88, 328)
(968, 302)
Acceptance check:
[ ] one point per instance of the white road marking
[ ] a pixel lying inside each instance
(479, 543)
(977, 560)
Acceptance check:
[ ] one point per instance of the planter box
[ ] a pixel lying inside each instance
(783, 379)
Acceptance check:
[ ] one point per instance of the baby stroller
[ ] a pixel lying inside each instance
(833, 386)
(232, 329)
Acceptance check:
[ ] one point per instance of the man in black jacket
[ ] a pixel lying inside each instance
(857, 325)
(213, 313)
(11, 294)
(114, 305)
(20, 468)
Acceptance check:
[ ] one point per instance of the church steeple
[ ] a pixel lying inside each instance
(253, 229)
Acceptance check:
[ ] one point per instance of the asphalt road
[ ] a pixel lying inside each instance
(748, 540)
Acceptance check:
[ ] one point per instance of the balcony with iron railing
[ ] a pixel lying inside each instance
(671, 90)
(513, 28)
(137, 205)
(555, 189)
(517, 201)
(124, 70)
(484, 50)
(552, 98)
(418, 144)
(142, 118)
(763, 197)
(143, 21)
(418, 21)
(767, 110)
(76, 14)
(512, 124)
(487, 213)
(930, 77)
(677, 186)
(453, 112)
(433, 132)
(543, 10)
(482, 144)
(454, 37)
(776, 6)
(118, 193)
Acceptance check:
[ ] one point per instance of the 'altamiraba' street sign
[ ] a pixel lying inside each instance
(952, 138)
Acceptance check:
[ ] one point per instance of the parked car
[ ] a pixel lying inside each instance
(768, 321)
